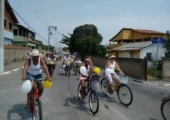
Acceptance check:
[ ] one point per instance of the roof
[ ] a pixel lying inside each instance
(148, 31)
(8, 6)
(132, 46)
(19, 25)
(139, 31)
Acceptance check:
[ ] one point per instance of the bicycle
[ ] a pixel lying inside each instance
(76, 69)
(92, 86)
(36, 107)
(123, 89)
(51, 67)
(165, 108)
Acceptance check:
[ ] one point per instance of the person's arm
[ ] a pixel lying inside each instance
(106, 65)
(24, 72)
(45, 69)
(118, 68)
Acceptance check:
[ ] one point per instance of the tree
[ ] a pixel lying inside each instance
(86, 40)
(167, 45)
(66, 40)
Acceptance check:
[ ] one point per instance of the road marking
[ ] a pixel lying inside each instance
(13, 70)
(16, 69)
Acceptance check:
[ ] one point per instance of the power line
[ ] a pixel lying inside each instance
(28, 24)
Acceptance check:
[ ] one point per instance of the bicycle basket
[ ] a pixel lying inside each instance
(124, 79)
(94, 85)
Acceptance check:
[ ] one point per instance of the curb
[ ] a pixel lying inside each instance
(148, 83)
(9, 71)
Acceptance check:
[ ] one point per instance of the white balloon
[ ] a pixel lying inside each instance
(26, 86)
(83, 70)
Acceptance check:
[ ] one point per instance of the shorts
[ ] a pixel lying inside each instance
(34, 77)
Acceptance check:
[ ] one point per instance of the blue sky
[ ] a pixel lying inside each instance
(109, 16)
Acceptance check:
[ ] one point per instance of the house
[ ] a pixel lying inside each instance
(152, 49)
(23, 36)
(9, 20)
(129, 35)
(130, 42)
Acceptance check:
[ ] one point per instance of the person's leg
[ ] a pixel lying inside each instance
(40, 85)
(116, 80)
(31, 78)
(83, 87)
(109, 86)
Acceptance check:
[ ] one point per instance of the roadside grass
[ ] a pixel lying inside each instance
(154, 72)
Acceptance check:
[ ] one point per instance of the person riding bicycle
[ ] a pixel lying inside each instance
(77, 62)
(51, 63)
(110, 73)
(83, 78)
(33, 70)
(67, 62)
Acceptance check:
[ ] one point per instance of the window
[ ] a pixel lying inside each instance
(149, 56)
(5, 22)
(10, 25)
(15, 32)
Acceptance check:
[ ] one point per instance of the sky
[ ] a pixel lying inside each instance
(109, 16)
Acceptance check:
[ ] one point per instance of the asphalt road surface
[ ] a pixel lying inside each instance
(60, 102)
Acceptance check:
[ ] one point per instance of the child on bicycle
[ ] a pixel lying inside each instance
(83, 78)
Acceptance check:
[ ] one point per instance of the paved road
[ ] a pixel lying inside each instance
(61, 103)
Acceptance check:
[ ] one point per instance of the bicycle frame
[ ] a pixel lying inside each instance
(36, 96)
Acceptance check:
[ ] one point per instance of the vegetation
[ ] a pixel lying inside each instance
(45, 47)
(85, 40)
(167, 45)
(154, 72)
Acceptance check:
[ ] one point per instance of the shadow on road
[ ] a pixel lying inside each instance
(74, 102)
(62, 74)
(18, 112)
(109, 99)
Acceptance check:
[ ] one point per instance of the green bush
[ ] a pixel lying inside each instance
(154, 72)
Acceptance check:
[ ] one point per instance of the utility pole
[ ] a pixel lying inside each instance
(50, 33)
(2, 4)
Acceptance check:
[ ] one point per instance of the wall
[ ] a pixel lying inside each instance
(165, 68)
(130, 66)
(14, 53)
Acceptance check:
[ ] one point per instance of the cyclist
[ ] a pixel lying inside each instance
(110, 73)
(89, 58)
(83, 78)
(51, 63)
(67, 62)
(33, 70)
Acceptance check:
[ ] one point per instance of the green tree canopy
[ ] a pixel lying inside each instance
(86, 40)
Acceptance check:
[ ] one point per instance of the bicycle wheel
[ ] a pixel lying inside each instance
(165, 109)
(93, 102)
(125, 95)
(37, 110)
(104, 83)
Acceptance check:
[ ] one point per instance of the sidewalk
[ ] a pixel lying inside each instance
(12, 67)
(153, 82)
(18, 65)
